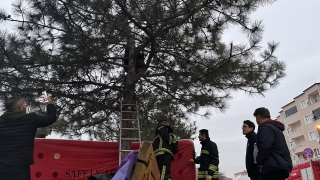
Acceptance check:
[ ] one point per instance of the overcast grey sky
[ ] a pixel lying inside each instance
(293, 23)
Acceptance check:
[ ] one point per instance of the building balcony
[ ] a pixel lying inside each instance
(315, 100)
(296, 133)
(299, 148)
(294, 119)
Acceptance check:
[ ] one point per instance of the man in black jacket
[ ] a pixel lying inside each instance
(209, 158)
(252, 168)
(163, 148)
(17, 132)
(273, 154)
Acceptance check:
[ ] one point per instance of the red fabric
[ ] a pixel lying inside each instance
(73, 159)
(78, 159)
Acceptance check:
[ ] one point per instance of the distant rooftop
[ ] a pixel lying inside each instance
(300, 95)
(241, 173)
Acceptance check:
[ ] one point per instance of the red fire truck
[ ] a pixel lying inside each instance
(306, 171)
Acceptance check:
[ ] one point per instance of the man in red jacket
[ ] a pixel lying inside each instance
(17, 132)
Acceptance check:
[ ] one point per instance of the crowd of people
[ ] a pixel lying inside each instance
(267, 154)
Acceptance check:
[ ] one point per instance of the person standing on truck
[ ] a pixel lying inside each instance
(17, 133)
(164, 147)
(209, 158)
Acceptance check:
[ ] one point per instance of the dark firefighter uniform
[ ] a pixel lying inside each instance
(163, 150)
(208, 160)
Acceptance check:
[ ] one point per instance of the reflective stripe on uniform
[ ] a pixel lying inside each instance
(204, 151)
(163, 173)
(202, 174)
(161, 151)
(160, 143)
(213, 167)
(216, 174)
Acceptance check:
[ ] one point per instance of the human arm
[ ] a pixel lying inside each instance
(265, 141)
(49, 118)
(214, 159)
(171, 135)
(195, 160)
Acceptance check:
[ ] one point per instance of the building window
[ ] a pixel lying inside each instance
(289, 130)
(312, 135)
(295, 159)
(291, 111)
(308, 119)
(316, 114)
(292, 144)
(304, 103)
(316, 152)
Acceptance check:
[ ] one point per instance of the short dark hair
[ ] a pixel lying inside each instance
(204, 132)
(262, 112)
(11, 103)
(249, 123)
(161, 120)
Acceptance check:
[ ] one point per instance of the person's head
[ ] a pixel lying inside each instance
(15, 103)
(203, 134)
(163, 122)
(247, 127)
(262, 114)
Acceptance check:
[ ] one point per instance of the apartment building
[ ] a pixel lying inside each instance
(301, 118)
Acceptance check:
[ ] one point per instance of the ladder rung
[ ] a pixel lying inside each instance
(124, 150)
(130, 139)
(129, 119)
(130, 128)
(134, 111)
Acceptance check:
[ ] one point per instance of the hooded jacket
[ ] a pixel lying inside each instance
(252, 168)
(273, 151)
(17, 132)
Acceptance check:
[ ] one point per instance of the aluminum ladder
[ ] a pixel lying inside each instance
(129, 122)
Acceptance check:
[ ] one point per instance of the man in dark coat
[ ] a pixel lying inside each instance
(273, 154)
(17, 132)
(163, 148)
(252, 168)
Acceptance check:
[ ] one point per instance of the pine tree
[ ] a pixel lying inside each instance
(166, 55)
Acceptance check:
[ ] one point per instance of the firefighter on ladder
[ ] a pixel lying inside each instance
(164, 148)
